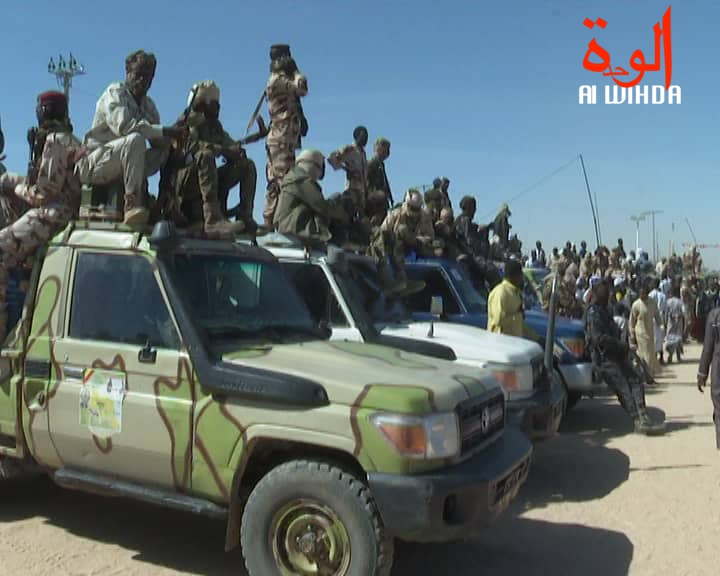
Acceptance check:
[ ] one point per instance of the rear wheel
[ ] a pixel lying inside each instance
(311, 518)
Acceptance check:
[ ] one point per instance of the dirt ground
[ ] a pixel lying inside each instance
(600, 501)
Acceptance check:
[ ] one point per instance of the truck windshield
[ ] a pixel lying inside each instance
(233, 297)
(361, 287)
(474, 302)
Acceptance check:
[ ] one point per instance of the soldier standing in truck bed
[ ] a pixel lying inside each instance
(379, 195)
(285, 87)
(51, 189)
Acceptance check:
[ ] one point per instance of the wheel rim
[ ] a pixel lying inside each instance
(309, 539)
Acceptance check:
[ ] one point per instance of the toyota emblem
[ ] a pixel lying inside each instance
(485, 420)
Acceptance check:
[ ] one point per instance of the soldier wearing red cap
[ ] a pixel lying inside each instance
(51, 190)
(287, 122)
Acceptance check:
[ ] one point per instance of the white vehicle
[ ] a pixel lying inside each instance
(342, 291)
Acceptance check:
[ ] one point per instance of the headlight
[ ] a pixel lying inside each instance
(424, 437)
(508, 379)
(576, 346)
(516, 380)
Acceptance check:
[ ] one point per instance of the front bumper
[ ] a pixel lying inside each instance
(579, 378)
(539, 415)
(457, 502)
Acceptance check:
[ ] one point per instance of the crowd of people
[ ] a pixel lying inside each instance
(634, 281)
(637, 314)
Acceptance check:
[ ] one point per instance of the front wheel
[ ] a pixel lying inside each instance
(311, 518)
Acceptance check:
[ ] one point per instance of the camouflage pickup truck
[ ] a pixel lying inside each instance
(188, 373)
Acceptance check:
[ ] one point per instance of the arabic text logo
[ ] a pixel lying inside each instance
(597, 60)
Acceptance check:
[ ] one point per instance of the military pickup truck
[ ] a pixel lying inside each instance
(342, 290)
(464, 304)
(188, 373)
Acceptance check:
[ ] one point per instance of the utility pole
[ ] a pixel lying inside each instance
(637, 219)
(64, 71)
(652, 213)
(596, 221)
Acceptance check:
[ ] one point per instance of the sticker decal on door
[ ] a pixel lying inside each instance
(101, 402)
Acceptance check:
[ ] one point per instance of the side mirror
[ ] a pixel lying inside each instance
(436, 306)
(325, 328)
(336, 258)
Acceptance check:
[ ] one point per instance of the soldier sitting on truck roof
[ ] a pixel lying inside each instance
(407, 228)
(51, 189)
(200, 183)
(125, 117)
(302, 209)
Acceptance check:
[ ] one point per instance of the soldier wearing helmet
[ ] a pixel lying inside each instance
(405, 229)
(51, 190)
(202, 186)
(125, 120)
(302, 209)
(285, 87)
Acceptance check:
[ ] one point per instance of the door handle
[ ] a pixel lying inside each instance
(147, 354)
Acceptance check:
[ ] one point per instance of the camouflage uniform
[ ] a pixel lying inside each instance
(501, 225)
(567, 304)
(404, 229)
(611, 361)
(116, 144)
(436, 201)
(54, 200)
(302, 209)
(203, 187)
(283, 92)
(353, 160)
(379, 195)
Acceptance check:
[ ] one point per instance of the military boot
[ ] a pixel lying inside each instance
(134, 213)
(216, 225)
(645, 425)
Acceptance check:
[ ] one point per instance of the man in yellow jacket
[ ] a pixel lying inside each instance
(505, 304)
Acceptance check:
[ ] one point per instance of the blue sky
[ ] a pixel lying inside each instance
(485, 93)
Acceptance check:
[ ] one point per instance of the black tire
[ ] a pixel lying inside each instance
(573, 398)
(337, 490)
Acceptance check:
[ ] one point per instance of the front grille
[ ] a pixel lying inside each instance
(539, 374)
(480, 419)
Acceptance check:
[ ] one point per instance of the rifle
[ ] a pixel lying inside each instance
(36, 141)
(166, 204)
(256, 113)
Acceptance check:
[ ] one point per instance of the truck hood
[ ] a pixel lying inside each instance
(347, 370)
(469, 343)
(564, 327)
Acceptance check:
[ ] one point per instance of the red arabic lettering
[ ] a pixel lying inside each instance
(637, 60)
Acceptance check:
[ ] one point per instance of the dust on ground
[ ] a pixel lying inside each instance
(600, 501)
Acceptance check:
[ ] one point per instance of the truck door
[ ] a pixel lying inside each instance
(124, 404)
